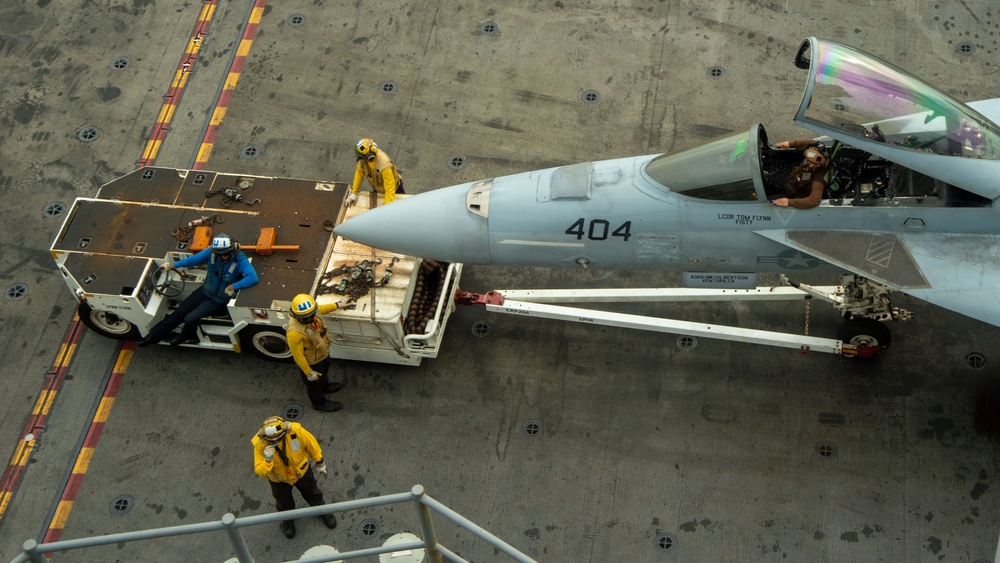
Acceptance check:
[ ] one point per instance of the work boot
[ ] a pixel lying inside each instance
(147, 341)
(333, 387)
(288, 528)
(329, 406)
(330, 520)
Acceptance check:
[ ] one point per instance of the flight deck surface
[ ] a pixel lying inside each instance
(573, 443)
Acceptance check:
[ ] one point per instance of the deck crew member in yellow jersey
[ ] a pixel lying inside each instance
(281, 452)
(381, 173)
(310, 346)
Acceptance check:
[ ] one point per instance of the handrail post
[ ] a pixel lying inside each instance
(30, 548)
(426, 526)
(236, 538)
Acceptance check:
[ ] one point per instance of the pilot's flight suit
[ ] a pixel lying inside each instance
(804, 188)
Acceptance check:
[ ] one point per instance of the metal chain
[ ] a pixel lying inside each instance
(229, 195)
(185, 233)
(808, 301)
(359, 280)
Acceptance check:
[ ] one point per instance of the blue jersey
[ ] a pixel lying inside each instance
(237, 271)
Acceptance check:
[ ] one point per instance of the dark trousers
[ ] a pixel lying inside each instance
(196, 307)
(307, 487)
(316, 388)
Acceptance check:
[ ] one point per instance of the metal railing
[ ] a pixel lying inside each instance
(230, 524)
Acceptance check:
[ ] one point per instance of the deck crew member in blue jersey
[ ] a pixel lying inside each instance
(228, 270)
(381, 173)
(309, 343)
(281, 453)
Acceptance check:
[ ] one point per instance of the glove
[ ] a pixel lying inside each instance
(268, 453)
(341, 304)
(321, 469)
(314, 376)
(351, 200)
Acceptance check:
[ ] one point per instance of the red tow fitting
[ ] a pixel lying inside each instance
(467, 298)
(861, 351)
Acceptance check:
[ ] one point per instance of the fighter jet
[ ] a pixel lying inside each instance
(913, 179)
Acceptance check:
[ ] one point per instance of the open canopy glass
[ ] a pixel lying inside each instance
(861, 96)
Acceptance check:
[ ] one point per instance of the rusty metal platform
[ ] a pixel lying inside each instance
(133, 218)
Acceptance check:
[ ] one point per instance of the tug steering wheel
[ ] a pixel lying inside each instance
(168, 287)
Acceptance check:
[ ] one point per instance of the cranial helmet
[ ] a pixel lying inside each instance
(274, 429)
(813, 156)
(366, 149)
(303, 307)
(222, 243)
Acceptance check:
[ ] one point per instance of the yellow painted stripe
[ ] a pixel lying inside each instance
(23, 452)
(83, 460)
(104, 409)
(204, 152)
(207, 12)
(40, 401)
(62, 353)
(66, 356)
(4, 501)
(163, 117)
(217, 116)
(48, 402)
(244, 47)
(180, 79)
(231, 81)
(62, 514)
(123, 360)
(63, 349)
(256, 14)
(44, 402)
(166, 113)
(152, 147)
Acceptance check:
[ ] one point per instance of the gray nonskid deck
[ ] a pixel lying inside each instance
(720, 451)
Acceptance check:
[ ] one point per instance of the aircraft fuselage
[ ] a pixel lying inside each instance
(610, 215)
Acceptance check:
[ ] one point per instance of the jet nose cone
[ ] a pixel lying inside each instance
(435, 225)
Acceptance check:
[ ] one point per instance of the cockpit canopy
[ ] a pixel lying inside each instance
(865, 102)
(862, 102)
(719, 170)
(853, 93)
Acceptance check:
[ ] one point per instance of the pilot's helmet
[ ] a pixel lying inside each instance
(366, 149)
(815, 157)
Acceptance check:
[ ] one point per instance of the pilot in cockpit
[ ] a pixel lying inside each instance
(805, 184)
